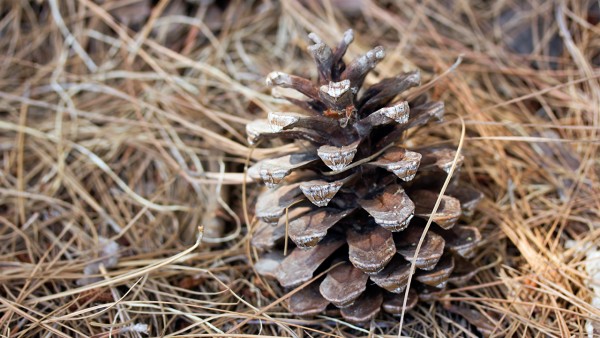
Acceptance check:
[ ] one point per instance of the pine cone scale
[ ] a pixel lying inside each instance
(308, 301)
(299, 266)
(394, 277)
(431, 251)
(438, 276)
(343, 285)
(370, 250)
(337, 158)
(392, 209)
(395, 305)
(365, 307)
(308, 230)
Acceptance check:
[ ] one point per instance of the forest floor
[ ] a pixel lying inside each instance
(122, 151)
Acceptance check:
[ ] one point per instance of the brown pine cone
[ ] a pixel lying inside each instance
(352, 192)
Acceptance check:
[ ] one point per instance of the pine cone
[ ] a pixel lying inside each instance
(351, 193)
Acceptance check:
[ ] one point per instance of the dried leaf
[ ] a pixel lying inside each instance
(343, 285)
(392, 209)
(300, 264)
(370, 249)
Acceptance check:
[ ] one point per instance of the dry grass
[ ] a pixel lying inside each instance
(127, 140)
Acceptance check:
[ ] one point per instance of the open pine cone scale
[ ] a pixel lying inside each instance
(354, 196)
